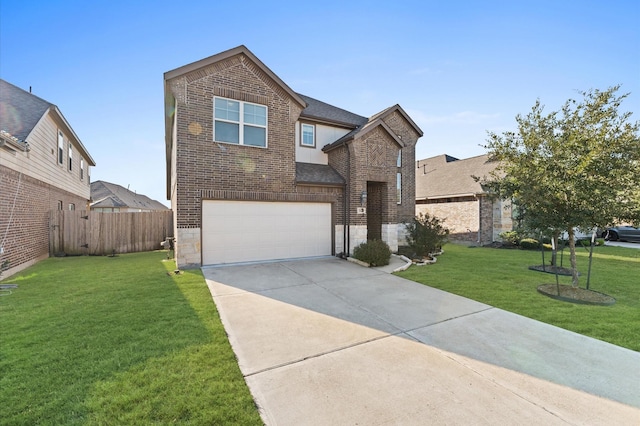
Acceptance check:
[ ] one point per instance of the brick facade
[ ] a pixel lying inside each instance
(24, 226)
(205, 165)
(206, 170)
(477, 221)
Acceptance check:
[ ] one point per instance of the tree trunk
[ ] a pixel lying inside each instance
(572, 256)
(554, 253)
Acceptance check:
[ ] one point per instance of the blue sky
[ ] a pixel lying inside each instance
(459, 68)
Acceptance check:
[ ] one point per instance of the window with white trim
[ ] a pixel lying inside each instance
(82, 169)
(308, 135)
(238, 122)
(60, 147)
(70, 157)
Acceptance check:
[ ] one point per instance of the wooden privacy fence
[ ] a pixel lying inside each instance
(84, 232)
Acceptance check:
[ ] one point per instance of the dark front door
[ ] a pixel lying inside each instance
(375, 197)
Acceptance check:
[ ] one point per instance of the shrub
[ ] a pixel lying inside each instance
(586, 242)
(374, 252)
(510, 237)
(426, 234)
(529, 244)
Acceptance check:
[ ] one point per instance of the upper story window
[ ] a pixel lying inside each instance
(241, 123)
(60, 148)
(308, 135)
(81, 168)
(70, 157)
(399, 160)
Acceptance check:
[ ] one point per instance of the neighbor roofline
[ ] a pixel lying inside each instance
(463, 194)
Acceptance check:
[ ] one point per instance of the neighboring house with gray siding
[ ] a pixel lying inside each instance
(445, 188)
(256, 171)
(108, 197)
(43, 166)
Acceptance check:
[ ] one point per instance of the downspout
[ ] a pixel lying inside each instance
(347, 216)
(479, 219)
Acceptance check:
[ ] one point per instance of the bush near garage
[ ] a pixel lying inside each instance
(373, 252)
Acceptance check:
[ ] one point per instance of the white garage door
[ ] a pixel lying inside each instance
(244, 231)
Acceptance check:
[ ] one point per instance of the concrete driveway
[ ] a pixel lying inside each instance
(327, 342)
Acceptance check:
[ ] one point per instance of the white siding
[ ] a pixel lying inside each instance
(324, 136)
(41, 161)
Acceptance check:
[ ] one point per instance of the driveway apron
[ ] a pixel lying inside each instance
(324, 341)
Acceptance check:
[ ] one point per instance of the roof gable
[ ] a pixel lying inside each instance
(201, 66)
(359, 132)
(397, 108)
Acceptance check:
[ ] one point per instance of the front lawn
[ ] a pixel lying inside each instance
(501, 278)
(116, 340)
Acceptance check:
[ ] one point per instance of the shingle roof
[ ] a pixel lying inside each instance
(105, 194)
(446, 176)
(317, 174)
(322, 111)
(20, 111)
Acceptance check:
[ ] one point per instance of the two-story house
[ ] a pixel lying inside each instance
(256, 171)
(43, 166)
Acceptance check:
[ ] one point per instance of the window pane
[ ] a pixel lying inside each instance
(255, 114)
(307, 135)
(255, 136)
(227, 110)
(399, 162)
(399, 186)
(227, 132)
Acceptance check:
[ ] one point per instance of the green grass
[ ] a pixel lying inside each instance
(102, 340)
(501, 278)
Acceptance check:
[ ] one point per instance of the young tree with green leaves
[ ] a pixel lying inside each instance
(574, 168)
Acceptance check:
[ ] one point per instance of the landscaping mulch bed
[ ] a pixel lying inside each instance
(576, 295)
(549, 269)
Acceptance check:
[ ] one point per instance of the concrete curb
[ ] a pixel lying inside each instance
(358, 262)
(407, 261)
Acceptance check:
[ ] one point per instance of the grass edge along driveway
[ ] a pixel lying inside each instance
(116, 340)
(501, 278)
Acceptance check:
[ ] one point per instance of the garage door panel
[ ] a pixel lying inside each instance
(241, 231)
